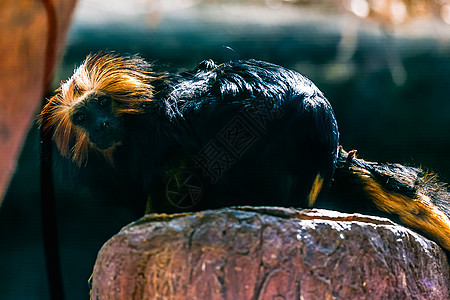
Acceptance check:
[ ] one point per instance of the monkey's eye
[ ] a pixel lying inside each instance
(80, 117)
(103, 101)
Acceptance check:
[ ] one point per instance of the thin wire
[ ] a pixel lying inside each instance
(48, 205)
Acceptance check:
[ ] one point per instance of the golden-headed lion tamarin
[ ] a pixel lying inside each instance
(91, 90)
(239, 133)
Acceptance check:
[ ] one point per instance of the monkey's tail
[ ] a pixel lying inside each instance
(411, 194)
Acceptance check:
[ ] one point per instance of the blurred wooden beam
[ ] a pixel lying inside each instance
(32, 38)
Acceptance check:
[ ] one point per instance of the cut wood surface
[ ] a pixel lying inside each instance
(269, 253)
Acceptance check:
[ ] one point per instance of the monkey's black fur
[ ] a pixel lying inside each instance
(249, 132)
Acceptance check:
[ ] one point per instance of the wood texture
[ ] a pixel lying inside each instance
(269, 253)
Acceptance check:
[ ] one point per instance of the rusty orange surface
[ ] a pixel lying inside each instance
(32, 38)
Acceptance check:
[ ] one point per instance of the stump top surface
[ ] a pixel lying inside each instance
(266, 252)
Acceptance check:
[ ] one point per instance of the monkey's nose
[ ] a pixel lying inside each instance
(104, 124)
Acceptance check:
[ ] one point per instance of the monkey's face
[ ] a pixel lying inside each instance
(88, 110)
(94, 115)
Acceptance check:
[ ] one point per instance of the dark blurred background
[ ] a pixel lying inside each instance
(384, 66)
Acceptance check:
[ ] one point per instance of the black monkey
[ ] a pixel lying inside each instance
(244, 132)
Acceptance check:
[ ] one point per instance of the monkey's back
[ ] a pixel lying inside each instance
(249, 132)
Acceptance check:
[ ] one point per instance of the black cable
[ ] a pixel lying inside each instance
(48, 204)
(49, 221)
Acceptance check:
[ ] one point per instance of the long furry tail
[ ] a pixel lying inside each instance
(410, 195)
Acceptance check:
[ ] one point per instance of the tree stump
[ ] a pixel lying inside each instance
(269, 253)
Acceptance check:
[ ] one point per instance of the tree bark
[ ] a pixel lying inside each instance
(269, 253)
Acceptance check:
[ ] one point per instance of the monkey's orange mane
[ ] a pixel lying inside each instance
(127, 80)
